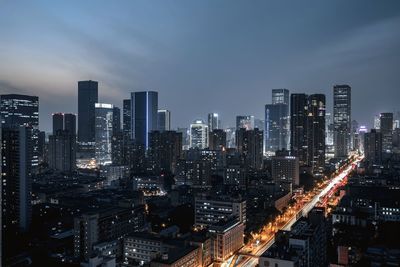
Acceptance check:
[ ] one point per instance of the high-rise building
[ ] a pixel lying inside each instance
(386, 123)
(62, 143)
(58, 122)
(104, 132)
(307, 124)
(276, 127)
(165, 150)
(87, 97)
(249, 144)
(377, 122)
(144, 106)
(280, 96)
(116, 120)
(316, 132)
(213, 121)
(329, 129)
(16, 155)
(126, 117)
(246, 122)
(198, 134)
(342, 119)
(62, 151)
(298, 127)
(373, 146)
(217, 139)
(70, 123)
(164, 120)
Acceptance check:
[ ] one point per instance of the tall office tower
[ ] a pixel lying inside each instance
(285, 169)
(87, 97)
(298, 127)
(386, 123)
(126, 117)
(185, 137)
(58, 122)
(329, 129)
(164, 120)
(104, 130)
(41, 146)
(280, 96)
(361, 133)
(342, 119)
(213, 121)
(70, 123)
(62, 143)
(249, 143)
(16, 154)
(116, 120)
(144, 106)
(22, 110)
(246, 122)
(165, 150)
(373, 146)
(316, 132)
(198, 135)
(377, 122)
(217, 139)
(276, 127)
(62, 151)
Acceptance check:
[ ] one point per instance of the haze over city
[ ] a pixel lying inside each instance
(201, 54)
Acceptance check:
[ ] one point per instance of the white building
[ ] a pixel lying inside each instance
(198, 134)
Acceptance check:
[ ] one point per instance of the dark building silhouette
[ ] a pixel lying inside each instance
(249, 143)
(58, 122)
(126, 117)
(144, 107)
(165, 149)
(373, 146)
(217, 139)
(116, 122)
(87, 97)
(307, 124)
(386, 122)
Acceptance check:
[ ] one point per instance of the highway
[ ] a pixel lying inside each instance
(243, 260)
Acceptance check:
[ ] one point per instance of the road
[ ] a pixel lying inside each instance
(247, 261)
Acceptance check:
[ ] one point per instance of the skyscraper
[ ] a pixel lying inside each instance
(198, 134)
(16, 181)
(217, 139)
(116, 120)
(104, 130)
(386, 123)
(144, 106)
(165, 150)
(22, 110)
(373, 146)
(280, 96)
(316, 132)
(126, 117)
(87, 97)
(213, 121)
(246, 122)
(342, 119)
(298, 126)
(62, 143)
(164, 120)
(276, 127)
(58, 122)
(249, 144)
(307, 124)
(70, 123)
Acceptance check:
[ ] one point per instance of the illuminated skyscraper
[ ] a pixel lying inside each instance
(144, 107)
(342, 119)
(386, 123)
(164, 120)
(126, 117)
(298, 126)
(213, 121)
(104, 131)
(198, 134)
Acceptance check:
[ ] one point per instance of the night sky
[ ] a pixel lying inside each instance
(202, 56)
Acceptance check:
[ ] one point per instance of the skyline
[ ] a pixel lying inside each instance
(201, 46)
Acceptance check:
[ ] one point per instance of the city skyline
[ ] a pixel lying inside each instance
(164, 56)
